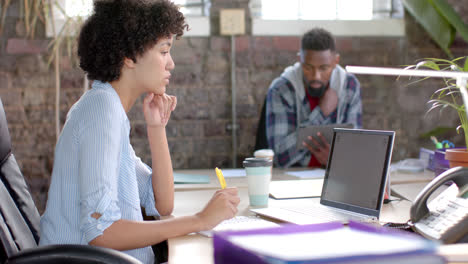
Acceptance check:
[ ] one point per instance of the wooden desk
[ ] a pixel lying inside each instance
(191, 198)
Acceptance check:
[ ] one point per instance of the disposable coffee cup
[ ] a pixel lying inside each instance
(258, 172)
(264, 153)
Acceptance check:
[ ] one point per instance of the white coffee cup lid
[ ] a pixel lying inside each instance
(264, 152)
(257, 162)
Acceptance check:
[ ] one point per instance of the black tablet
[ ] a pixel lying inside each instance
(326, 130)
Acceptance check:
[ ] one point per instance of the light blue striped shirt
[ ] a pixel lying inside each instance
(96, 171)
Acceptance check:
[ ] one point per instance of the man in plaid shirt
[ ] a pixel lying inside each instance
(314, 91)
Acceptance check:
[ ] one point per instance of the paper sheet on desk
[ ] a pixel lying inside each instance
(181, 178)
(240, 223)
(308, 174)
(233, 173)
(296, 188)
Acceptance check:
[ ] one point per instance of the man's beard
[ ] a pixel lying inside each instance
(315, 92)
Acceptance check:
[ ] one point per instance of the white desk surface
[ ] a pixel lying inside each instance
(397, 177)
(191, 198)
(280, 174)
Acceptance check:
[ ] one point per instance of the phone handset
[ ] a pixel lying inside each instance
(447, 223)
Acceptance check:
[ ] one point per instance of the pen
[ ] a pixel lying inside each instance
(220, 178)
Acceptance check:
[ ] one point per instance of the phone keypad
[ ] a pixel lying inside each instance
(447, 214)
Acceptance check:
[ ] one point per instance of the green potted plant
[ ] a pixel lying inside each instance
(449, 96)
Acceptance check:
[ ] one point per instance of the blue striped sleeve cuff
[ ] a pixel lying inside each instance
(106, 207)
(148, 201)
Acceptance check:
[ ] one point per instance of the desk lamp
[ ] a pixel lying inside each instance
(461, 77)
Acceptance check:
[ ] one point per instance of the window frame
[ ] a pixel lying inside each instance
(392, 27)
(199, 25)
(377, 27)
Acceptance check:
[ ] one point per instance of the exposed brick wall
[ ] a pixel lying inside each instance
(198, 131)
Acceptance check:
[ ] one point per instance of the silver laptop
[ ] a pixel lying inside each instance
(354, 183)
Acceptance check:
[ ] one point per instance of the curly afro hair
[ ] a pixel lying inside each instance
(120, 29)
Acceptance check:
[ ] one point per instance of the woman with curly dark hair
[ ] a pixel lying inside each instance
(98, 184)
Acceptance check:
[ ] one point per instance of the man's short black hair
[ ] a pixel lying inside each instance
(318, 39)
(120, 29)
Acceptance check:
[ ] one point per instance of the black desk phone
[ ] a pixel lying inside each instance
(445, 218)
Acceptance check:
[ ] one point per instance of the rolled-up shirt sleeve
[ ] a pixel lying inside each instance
(100, 144)
(145, 187)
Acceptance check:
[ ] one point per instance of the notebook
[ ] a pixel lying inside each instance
(354, 183)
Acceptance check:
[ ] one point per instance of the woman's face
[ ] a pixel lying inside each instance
(153, 67)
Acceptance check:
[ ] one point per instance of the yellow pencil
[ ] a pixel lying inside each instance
(220, 178)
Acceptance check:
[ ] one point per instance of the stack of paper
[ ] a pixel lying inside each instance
(324, 243)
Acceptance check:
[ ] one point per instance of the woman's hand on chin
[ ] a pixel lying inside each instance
(158, 108)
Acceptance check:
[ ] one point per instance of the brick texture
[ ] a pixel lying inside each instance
(199, 131)
(26, 46)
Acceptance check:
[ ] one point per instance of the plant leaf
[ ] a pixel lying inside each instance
(3, 16)
(447, 62)
(465, 68)
(445, 89)
(452, 17)
(432, 108)
(453, 93)
(420, 80)
(441, 31)
(428, 64)
(459, 58)
(444, 103)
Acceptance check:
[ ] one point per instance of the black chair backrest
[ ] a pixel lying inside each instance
(5, 142)
(72, 254)
(19, 221)
(261, 141)
(19, 218)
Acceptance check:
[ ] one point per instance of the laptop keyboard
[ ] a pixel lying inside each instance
(326, 214)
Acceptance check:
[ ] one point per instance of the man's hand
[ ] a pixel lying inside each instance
(320, 150)
(328, 102)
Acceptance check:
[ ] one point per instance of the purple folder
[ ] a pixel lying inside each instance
(225, 252)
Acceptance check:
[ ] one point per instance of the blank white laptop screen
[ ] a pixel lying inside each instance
(357, 170)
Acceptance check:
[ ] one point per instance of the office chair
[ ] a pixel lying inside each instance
(261, 141)
(19, 220)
